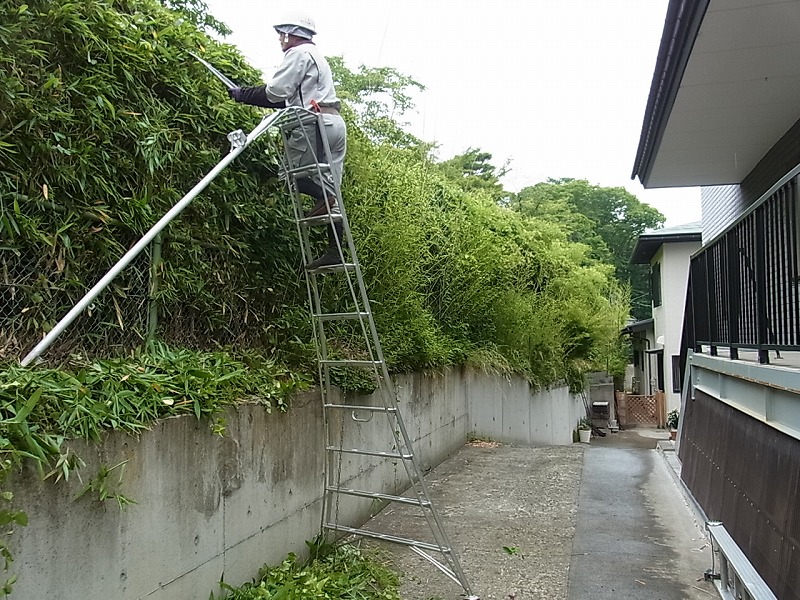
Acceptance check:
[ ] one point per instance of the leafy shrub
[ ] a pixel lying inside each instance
(345, 572)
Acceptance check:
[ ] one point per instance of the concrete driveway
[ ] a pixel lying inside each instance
(587, 521)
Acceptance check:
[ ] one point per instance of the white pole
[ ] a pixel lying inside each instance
(147, 238)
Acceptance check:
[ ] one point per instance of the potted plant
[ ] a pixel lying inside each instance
(672, 422)
(585, 430)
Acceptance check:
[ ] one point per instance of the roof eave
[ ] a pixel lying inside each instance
(648, 245)
(680, 32)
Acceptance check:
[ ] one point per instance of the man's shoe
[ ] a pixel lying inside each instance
(329, 259)
(322, 207)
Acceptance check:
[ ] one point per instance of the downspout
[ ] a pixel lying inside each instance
(649, 356)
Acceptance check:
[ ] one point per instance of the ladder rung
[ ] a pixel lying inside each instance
(387, 538)
(369, 452)
(322, 219)
(367, 408)
(379, 496)
(312, 168)
(341, 316)
(334, 269)
(350, 363)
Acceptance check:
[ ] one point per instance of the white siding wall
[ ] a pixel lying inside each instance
(668, 318)
(720, 206)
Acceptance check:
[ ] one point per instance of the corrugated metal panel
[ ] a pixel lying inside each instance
(746, 474)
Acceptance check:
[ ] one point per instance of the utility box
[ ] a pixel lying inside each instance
(601, 410)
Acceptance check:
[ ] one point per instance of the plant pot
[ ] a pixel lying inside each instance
(585, 434)
(673, 433)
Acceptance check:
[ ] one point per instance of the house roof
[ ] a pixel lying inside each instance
(643, 325)
(649, 243)
(726, 88)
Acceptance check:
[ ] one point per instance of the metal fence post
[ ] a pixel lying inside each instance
(152, 313)
(762, 338)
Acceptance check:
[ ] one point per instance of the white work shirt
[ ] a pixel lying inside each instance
(303, 76)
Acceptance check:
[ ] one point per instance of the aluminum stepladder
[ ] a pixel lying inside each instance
(341, 444)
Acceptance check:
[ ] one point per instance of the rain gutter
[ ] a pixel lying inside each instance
(681, 26)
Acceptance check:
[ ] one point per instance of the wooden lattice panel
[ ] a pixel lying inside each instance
(641, 410)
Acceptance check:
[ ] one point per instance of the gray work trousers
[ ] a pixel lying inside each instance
(304, 148)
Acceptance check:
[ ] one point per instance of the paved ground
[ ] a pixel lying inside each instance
(598, 521)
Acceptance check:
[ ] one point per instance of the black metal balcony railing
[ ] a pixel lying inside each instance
(744, 287)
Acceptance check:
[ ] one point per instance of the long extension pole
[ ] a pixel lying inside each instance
(239, 143)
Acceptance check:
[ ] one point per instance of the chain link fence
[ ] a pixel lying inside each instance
(36, 291)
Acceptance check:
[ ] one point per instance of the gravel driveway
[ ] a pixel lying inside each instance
(530, 524)
(493, 497)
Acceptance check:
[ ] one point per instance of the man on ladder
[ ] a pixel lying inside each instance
(304, 79)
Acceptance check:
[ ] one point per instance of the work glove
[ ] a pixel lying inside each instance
(256, 96)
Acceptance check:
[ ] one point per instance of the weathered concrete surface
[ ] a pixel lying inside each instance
(508, 409)
(520, 498)
(208, 505)
(599, 521)
(636, 536)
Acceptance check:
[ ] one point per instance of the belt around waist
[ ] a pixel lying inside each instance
(328, 110)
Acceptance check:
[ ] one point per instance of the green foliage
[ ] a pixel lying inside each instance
(108, 489)
(129, 394)
(345, 572)
(110, 121)
(474, 171)
(107, 122)
(608, 220)
(454, 277)
(378, 97)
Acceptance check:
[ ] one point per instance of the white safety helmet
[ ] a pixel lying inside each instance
(299, 24)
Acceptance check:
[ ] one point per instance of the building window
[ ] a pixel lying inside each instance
(655, 284)
(676, 374)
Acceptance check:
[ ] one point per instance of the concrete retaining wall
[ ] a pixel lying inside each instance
(210, 506)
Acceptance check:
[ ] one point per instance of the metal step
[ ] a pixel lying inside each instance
(340, 316)
(379, 496)
(351, 363)
(333, 269)
(323, 219)
(298, 119)
(312, 168)
(367, 408)
(394, 455)
(386, 537)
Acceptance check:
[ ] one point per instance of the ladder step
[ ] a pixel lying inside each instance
(322, 219)
(379, 496)
(297, 119)
(340, 316)
(369, 452)
(312, 168)
(387, 538)
(333, 269)
(351, 363)
(367, 408)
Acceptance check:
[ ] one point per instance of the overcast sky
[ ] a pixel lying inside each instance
(558, 87)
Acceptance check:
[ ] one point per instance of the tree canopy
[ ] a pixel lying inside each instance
(609, 220)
